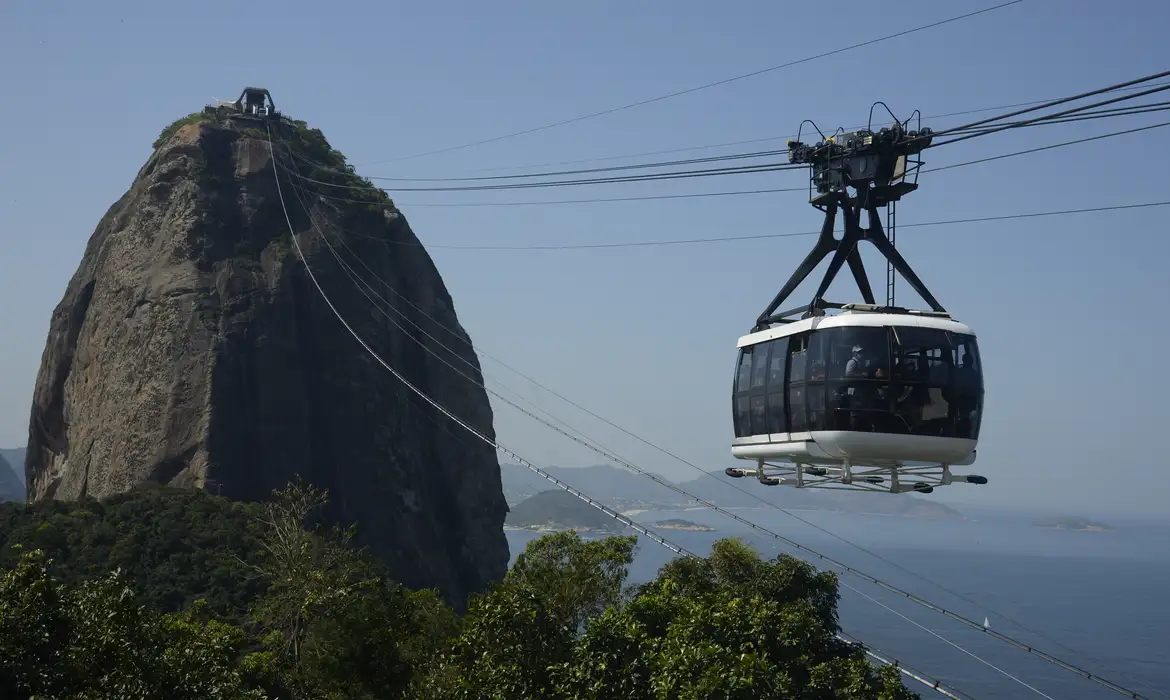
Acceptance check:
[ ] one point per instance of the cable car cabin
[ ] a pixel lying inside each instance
(897, 393)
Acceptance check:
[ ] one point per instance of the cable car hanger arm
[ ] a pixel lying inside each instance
(845, 250)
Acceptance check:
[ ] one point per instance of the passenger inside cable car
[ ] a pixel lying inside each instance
(905, 380)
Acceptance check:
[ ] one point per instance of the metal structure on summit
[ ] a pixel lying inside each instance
(254, 104)
(874, 396)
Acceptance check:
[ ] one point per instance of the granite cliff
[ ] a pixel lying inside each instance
(192, 349)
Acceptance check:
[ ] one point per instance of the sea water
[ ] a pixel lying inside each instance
(1098, 600)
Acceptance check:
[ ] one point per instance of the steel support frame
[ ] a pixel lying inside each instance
(844, 251)
(849, 476)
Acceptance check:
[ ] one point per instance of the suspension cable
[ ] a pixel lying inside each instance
(1047, 120)
(466, 426)
(354, 276)
(744, 142)
(688, 91)
(711, 506)
(748, 237)
(763, 168)
(920, 626)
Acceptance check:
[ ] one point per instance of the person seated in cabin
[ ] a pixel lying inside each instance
(862, 396)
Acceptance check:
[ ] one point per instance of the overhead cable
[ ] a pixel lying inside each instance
(650, 177)
(1039, 121)
(470, 429)
(1062, 100)
(588, 444)
(1043, 118)
(763, 236)
(744, 142)
(1012, 154)
(687, 91)
(356, 277)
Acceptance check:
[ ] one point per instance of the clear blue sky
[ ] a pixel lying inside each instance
(1070, 310)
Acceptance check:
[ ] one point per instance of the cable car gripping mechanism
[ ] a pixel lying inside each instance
(881, 167)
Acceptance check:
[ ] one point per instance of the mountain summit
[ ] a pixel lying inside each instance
(191, 348)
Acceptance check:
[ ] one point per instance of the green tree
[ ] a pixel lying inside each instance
(94, 641)
(338, 625)
(729, 626)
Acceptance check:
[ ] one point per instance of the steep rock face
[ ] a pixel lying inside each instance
(191, 348)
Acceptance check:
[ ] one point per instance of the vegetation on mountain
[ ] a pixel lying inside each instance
(326, 621)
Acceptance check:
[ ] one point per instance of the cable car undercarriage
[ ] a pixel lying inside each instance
(877, 397)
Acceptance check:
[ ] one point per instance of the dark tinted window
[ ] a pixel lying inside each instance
(777, 365)
(777, 369)
(742, 422)
(967, 386)
(903, 380)
(759, 365)
(759, 415)
(743, 370)
(858, 351)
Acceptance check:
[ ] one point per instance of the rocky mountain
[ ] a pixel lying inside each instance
(191, 348)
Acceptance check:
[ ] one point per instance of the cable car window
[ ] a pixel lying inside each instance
(744, 369)
(814, 388)
(814, 401)
(759, 415)
(857, 396)
(798, 357)
(865, 346)
(760, 365)
(922, 374)
(742, 420)
(797, 420)
(966, 390)
(777, 365)
(777, 412)
(777, 368)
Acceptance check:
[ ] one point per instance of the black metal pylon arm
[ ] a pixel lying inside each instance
(844, 251)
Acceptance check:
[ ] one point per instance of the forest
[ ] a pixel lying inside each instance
(170, 593)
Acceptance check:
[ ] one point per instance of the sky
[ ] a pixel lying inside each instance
(1069, 310)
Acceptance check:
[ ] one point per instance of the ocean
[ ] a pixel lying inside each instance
(1098, 600)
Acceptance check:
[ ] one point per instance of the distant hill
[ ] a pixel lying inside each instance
(1068, 522)
(603, 482)
(11, 485)
(560, 510)
(679, 524)
(15, 458)
(622, 489)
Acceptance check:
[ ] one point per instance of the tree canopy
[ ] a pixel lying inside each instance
(319, 619)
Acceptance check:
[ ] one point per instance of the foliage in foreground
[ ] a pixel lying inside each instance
(329, 624)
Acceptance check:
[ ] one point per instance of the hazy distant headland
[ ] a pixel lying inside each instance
(627, 492)
(12, 475)
(555, 510)
(679, 524)
(1068, 522)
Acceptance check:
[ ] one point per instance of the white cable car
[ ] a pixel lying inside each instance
(874, 397)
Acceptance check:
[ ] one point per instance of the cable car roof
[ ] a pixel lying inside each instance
(852, 318)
